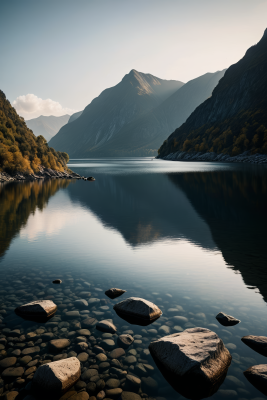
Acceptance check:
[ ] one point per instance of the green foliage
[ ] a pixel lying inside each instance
(20, 150)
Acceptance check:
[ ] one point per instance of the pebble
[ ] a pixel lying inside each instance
(8, 362)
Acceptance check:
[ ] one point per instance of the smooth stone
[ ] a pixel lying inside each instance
(257, 376)
(89, 373)
(93, 301)
(80, 385)
(195, 355)
(98, 349)
(132, 381)
(47, 336)
(138, 310)
(13, 372)
(100, 384)
(80, 396)
(60, 357)
(59, 344)
(36, 309)
(72, 314)
(89, 322)
(149, 385)
(30, 351)
(8, 362)
(117, 353)
(58, 376)
(11, 395)
(107, 344)
(114, 292)
(130, 359)
(101, 357)
(106, 326)
(91, 387)
(112, 383)
(101, 395)
(130, 396)
(113, 393)
(84, 332)
(25, 360)
(180, 319)
(81, 303)
(257, 343)
(57, 281)
(227, 320)
(140, 370)
(119, 372)
(164, 329)
(104, 365)
(30, 371)
(125, 341)
(83, 357)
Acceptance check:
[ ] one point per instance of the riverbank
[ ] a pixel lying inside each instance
(245, 157)
(44, 173)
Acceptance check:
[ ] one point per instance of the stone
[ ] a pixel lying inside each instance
(106, 326)
(25, 360)
(80, 396)
(137, 310)
(114, 292)
(72, 314)
(164, 329)
(125, 341)
(91, 387)
(57, 281)
(130, 359)
(80, 385)
(84, 332)
(30, 371)
(149, 385)
(257, 343)
(227, 320)
(104, 365)
(57, 377)
(81, 303)
(257, 376)
(130, 396)
(100, 384)
(11, 395)
(101, 395)
(113, 393)
(101, 357)
(8, 362)
(83, 357)
(39, 309)
(112, 383)
(47, 336)
(13, 372)
(89, 322)
(195, 355)
(59, 344)
(97, 350)
(107, 344)
(30, 351)
(86, 375)
(117, 353)
(132, 381)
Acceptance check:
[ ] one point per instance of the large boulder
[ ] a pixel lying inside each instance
(257, 343)
(37, 310)
(137, 311)
(257, 376)
(114, 292)
(227, 320)
(57, 377)
(194, 362)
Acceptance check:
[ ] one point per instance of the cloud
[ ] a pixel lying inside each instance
(30, 106)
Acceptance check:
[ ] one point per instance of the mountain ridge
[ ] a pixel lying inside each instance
(47, 126)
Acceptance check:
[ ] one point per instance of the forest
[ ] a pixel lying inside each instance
(20, 149)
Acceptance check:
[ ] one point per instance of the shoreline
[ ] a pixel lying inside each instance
(241, 158)
(44, 173)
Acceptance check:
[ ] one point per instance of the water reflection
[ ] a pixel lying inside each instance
(18, 201)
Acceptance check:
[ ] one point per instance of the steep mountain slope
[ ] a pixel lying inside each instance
(47, 126)
(75, 116)
(234, 119)
(105, 116)
(147, 132)
(20, 150)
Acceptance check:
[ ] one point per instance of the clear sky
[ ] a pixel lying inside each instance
(63, 53)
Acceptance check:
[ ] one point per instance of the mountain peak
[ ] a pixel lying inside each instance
(265, 33)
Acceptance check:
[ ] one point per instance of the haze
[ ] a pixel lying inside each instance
(64, 53)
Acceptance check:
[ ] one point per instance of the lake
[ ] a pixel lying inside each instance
(190, 237)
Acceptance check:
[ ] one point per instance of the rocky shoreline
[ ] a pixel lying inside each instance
(44, 173)
(245, 157)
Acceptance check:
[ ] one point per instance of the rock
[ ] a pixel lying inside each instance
(8, 362)
(84, 332)
(113, 393)
(132, 382)
(257, 376)
(91, 387)
(47, 336)
(125, 341)
(80, 396)
(59, 344)
(117, 353)
(57, 377)
(114, 292)
(101, 357)
(11, 395)
(89, 373)
(57, 281)
(81, 303)
(80, 385)
(97, 350)
(72, 314)
(106, 326)
(25, 360)
(137, 311)
(37, 310)
(226, 320)
(89, 322)
(195, 355)
(130, 396)
(100, 384)
(83, 357)
(112, 383)
(30, 351)
(104, 365)
(164, 329)
(257, 343)
(149, 385)
(91, 178)
(107, 344)
(130, 359)
(13, 372)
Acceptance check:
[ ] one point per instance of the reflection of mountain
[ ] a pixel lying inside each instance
(18, 201)
(234, 205)
(136, 208)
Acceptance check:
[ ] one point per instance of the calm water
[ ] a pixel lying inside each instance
(190, 237)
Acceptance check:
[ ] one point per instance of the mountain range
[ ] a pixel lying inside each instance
(234, 119)
(47, 126)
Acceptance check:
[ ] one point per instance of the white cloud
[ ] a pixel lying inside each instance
(30, 106)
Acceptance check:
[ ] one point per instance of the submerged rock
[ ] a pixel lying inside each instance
(257, 343)
(57, 281)
(114, 292)
(57, 377)
(227, 320)
(194, 362)
(106, 326)
(257, 376)
(91, 178)
(137, 311)
(37, 310)
(125, 341)
(59, 344)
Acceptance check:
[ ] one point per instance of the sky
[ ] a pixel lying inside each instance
(58, 55)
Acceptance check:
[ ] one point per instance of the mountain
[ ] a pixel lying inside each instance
(234, 118)
(107, 114)
(150, 129)
(47, 126)
(20, 150)
(75, 116)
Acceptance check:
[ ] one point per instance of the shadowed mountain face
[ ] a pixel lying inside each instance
(74, 116)
(107, 114)
(18, 201)
(234, 205)
(234, 118)
(47, 126)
